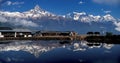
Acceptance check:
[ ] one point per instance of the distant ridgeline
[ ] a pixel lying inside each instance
(5, 28)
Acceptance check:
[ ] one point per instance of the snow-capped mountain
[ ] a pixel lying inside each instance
(84, 17)
(39, 19)
(27, 18)
(37, 12)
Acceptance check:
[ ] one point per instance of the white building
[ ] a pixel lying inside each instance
(8, 32)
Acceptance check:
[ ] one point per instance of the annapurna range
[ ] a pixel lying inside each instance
(39, 19)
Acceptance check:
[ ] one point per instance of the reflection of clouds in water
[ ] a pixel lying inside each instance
(81, 60)
(8, 59)
(77, 47)
(38, 47)
(106, 51)
(32, 47)
(94, 46)
(108, 46)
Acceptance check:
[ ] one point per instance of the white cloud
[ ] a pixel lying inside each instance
(14, 3)
(18, 22)
(3, 19)
(9, 2)
(0, 0)
(17, 3)
(81, 2)
(107, 2)
(107, 12)
(117, 24)
(24, 22)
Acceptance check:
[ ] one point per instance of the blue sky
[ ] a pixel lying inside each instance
(61, 7)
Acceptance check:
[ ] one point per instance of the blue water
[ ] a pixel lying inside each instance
(56, 52)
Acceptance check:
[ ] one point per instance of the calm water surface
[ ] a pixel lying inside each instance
(58, 52)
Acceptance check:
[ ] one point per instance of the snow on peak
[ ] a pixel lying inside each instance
(108, 17)
(37, 7)
(84, 17)
(37, 12)
(78, 15)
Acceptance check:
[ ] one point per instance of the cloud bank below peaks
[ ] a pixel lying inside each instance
(17, 22)
(117, 24)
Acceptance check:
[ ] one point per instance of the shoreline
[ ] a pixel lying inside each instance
(38, 38)
(89, 39)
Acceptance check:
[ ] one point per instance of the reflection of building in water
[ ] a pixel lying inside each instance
(108, 46)
(8, 32)
(94, 45)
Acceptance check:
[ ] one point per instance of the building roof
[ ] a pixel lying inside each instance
(13, 31)
(8, 29)
(5, 28)
(53, 31)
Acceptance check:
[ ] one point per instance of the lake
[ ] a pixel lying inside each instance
(58, 52)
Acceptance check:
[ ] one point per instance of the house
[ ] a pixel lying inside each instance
(90, 33)
(54, 33)
(8, 32)
(23, 34)
(93, 33)
(5, 28)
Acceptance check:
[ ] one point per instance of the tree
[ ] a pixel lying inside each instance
(109, 33)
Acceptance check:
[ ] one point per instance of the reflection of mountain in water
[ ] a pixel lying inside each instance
(38, 47)
(32, 47)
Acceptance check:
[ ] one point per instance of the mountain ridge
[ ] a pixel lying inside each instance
(39, 19)
(37, 12)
